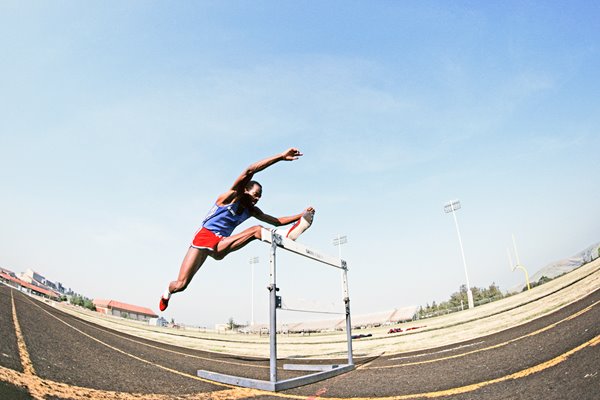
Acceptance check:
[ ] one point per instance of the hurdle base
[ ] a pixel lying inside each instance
(325, 372)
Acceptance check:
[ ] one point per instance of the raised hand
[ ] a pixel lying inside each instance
(291, 154)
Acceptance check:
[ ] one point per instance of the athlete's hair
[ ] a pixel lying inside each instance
(251, 184)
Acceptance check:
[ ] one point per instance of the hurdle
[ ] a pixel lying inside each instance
(319, 372)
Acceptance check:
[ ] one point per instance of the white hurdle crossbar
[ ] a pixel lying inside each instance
(322, 371)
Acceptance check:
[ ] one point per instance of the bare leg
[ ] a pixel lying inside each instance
(194, 259)
(191, 263)
(236, 242)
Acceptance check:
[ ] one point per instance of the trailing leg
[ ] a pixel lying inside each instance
(192, 262)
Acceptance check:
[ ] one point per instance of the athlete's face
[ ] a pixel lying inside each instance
(254, 194)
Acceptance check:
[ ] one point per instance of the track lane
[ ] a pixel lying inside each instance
(9, 350)
(62, 352)
(184, 360)
(488, 360)
(498, 355)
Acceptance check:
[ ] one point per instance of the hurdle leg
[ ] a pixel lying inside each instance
(347, 306)
(273, 313)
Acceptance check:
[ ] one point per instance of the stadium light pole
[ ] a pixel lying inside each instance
(339, 241)
(451, 207)
(253, 260)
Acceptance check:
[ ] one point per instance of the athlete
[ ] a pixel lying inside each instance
(215, 239)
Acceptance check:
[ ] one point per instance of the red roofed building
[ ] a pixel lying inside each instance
(28, 287)
(124, 310)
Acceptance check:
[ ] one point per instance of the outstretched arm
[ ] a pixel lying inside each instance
(278, 221)
(288, 155)
(246, 176)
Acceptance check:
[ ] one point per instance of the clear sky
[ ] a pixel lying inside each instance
(121, 122)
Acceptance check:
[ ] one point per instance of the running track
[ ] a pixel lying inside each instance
(47, 354)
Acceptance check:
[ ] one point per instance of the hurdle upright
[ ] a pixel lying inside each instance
(322, 371)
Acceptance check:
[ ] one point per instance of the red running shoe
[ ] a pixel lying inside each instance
(163, 304)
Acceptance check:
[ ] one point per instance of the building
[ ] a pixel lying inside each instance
(34, 278)
(8, 272)
(30, 275)
(11, 280)
(124, 310)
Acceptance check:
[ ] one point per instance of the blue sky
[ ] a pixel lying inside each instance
(123, 121)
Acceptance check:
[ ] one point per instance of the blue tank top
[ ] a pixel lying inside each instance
(223, 220)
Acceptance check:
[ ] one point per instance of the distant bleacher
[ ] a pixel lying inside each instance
(358, 321)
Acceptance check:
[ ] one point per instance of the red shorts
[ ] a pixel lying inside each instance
(206, 239)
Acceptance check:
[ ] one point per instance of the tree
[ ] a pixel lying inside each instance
(81, 301)
(231, 324)
(458, 300)
(493, 291)
(541, 281)
(77, 300)
(89, 304)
